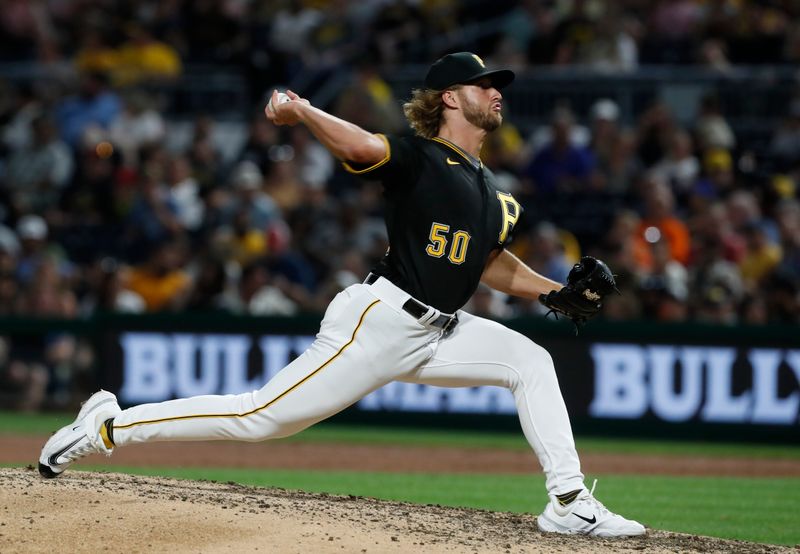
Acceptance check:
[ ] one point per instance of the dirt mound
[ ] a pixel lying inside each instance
(91, 512)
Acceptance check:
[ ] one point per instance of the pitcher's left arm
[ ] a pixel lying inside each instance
(507, 273)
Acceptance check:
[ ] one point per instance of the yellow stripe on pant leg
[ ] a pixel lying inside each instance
(271, 402)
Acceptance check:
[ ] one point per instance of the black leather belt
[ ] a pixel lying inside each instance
(417, 309)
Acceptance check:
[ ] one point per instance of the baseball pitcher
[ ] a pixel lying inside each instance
(448, 224)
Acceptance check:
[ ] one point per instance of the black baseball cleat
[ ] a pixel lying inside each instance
(81, 437)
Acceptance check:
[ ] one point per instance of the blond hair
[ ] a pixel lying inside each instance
(425, 110)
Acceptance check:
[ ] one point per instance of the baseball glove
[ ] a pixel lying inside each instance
(588, 283)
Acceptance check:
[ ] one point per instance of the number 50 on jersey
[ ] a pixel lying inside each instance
(457, 252)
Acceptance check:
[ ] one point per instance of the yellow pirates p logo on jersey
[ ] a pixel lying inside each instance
(480, 61)
(511, 212)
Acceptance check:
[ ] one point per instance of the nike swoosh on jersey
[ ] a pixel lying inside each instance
(451, 162)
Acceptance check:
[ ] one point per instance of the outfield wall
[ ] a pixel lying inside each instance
(617, 378)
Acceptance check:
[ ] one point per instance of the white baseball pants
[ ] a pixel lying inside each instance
(365, 341)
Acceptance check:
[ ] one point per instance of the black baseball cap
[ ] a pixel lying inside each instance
(463, 67)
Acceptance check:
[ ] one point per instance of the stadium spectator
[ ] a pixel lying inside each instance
(20, 106)
(250, 197)
(37, 173)
(711, 129)
(561, 166)
(715, 283)
(161, 280)
(718, 179)
(574, 34)
(94, 105)
(210, 285)
(368, 101)
(92, 204)
(315, 165)
(665, 288)
(261, 139)
(618, 171)
(614, 47)
(138, 125)
(743, 209)
(48, 292)
(349, 228)
(153, 216)
(659, 219)
(504, 151)
(679, 167)
(351, 266)
(241, 240)
(604, 128)
(106, 292)
(546, 253)
(713, 54)
(143, 59)
(204, 154)
(184, 193)
(284, 185)
(655, 127)
(489, 303)
(626, 251)
(629, 258)
(36, 249)
(256, 294)
(716, 305)
(714, 224)
(761, 256)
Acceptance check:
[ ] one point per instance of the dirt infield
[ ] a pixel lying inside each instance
(105, 511)
(93, 512)
(319, 456)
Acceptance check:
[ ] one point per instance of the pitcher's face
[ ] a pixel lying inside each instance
(482, 104)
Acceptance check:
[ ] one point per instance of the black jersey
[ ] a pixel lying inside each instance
(444, 216)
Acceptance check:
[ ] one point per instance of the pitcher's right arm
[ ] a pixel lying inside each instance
(346, 141)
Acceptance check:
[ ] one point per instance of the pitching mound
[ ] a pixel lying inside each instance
(93, 512)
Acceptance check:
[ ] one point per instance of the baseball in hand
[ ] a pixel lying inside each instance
(282, 97)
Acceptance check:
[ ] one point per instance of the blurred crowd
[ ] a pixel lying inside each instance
(274, 39)
(107, 204)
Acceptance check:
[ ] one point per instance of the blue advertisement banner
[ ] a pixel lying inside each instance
(602, 380)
